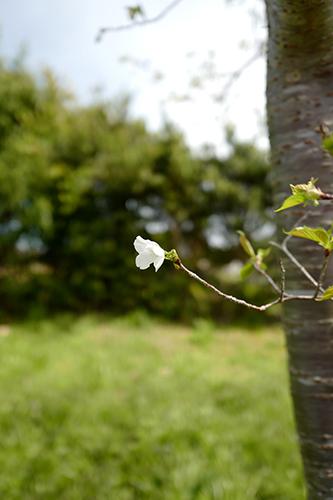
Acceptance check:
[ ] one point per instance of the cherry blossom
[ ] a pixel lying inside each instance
(149, 253)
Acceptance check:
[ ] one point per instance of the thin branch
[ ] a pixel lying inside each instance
(326, 196)
(295, 261)
(267, 276)
(159, 16)
(284, 298)
(238, 73)
(323, 129)
(224, 295)
(297, 223)
(283, 279)
(284, 249)
(321, 277)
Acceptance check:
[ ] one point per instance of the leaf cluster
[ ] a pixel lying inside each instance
(305, 193)
(302, 193)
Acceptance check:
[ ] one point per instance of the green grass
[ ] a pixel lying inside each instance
(94, 409)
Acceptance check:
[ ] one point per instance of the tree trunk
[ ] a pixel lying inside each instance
(299, 96)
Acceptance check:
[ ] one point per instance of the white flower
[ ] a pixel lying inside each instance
(150, 252)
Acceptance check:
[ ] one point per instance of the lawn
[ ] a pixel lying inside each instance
(130, 409)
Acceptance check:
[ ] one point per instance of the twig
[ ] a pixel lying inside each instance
(283, 279)
(322, 273)
(326, 196)
(299, 221)
(159, 16)
(289, 236)
(284, 249)
(267, 276)
(283, 298)
(323, 129)
(236, 74)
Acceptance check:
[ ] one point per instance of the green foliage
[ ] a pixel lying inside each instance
(328, 144)
(328, 294)
(133, 12)
(317, 234)
(248, 248)
(78, 184)
(246, 270)
(95, 411)
(302, 193)
(255, 258)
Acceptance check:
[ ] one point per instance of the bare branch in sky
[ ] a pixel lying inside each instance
(159, 16)
(239, 72)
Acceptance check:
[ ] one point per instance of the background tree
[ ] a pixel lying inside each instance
(79, 183)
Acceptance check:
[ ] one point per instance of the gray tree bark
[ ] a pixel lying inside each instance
(299, 95)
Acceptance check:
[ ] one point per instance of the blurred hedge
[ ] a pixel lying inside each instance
(77, 185)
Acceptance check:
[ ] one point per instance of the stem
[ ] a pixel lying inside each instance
(159, 16)
(283, 280)
(282, 298)
(326, 196)
(267, 276)
(284, 249)
(322, 273)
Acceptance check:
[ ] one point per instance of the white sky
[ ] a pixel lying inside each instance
(61, 34)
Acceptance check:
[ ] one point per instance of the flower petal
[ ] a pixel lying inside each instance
(140, 244)
(158, 250)
(158, 262)
(144, 259)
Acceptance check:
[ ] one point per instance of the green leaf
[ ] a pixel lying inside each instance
(328, 294)
(246, 270)
(263, 252)
(134, 11)
(328, 144)
(317, 234)
(246, 244)
(294, 199)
